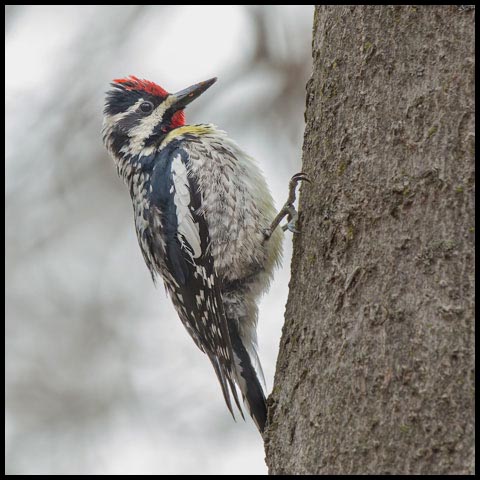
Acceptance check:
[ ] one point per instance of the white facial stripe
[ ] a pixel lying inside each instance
(112, 119)
(145, 128)
(142, 131)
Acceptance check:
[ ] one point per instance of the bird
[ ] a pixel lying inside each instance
(205, 222)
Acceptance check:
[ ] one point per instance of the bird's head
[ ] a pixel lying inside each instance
(138, 114)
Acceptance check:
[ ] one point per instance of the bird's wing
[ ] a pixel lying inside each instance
(189, 271)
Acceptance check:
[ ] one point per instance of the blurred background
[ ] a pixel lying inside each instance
(100, 376)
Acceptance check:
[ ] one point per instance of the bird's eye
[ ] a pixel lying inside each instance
(146, 107)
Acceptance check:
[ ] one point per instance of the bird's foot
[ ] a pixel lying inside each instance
(292, 218)
(288, 210)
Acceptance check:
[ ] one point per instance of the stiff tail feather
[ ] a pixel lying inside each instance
(248, 380)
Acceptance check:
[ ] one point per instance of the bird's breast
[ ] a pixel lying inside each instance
(236, 203)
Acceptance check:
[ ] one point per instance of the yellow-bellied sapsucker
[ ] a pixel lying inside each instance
(205, 223)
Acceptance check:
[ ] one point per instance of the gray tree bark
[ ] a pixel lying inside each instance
(376, 367)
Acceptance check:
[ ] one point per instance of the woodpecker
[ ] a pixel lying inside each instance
(205, 222)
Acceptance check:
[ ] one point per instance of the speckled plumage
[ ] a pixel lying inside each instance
(201, 207)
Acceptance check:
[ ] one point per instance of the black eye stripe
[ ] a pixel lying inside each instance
(146, 107)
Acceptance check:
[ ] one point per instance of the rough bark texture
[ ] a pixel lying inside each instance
(376, 366)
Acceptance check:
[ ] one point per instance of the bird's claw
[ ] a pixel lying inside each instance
(288, 209)
(300, 176)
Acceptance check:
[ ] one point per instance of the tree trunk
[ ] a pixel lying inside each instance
(376, 367)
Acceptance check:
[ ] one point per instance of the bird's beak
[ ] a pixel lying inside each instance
(184, 97)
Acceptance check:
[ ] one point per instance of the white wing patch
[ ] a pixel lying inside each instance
(187, 228)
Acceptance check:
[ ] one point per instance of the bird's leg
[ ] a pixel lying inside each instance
(288, 210)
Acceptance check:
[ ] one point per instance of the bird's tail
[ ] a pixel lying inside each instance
(248, 380)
